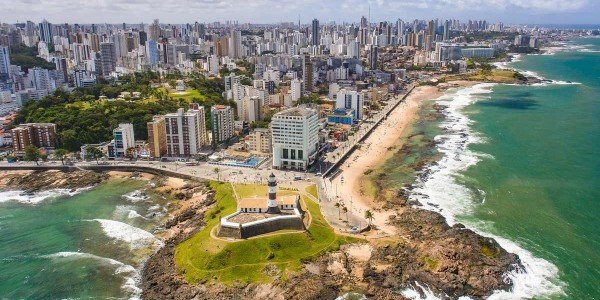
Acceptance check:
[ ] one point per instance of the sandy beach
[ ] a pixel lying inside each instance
(375, 150)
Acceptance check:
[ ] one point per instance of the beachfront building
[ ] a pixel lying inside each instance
(185, 132)
(157, 137)
(341, 116)
(222, 123)
(295, 137)
(123, 139)
(259, 140)
(349, 99)
(40, 135)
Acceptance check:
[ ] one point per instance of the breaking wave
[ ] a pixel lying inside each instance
(439, 190)
(130, 275)
(38, 197)
(135, 237)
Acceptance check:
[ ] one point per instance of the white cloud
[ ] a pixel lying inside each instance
(258, 11)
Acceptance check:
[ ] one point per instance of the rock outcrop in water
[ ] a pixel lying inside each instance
(35, 181)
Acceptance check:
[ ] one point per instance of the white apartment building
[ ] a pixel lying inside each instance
(222, 123)
(295, 137)
(230, 81)
(296, 87)
(351, 99)
(186, 132)
(123, 139)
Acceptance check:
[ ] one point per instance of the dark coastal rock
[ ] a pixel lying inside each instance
(451, 261)
(47, 180)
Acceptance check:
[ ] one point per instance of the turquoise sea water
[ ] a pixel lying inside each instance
(87, 246)
(522, 164)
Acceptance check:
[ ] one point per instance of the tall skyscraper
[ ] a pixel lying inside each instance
(307, 73)
(108, 58)
(446, 34)
(4, 63)
(315, 32)
(235, 44)
(45, 32)
(155, 30)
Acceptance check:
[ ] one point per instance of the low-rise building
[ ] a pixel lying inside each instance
(259, 140)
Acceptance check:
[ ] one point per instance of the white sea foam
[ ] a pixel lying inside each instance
(136, 238)
(38, 197)
(126, 211)
(440, 191)
(130, 274)
(506, 66)
(136, 196)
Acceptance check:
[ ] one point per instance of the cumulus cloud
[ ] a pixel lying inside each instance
(262, 11)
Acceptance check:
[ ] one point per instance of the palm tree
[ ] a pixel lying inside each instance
(369, 216)
(216, 170)
(345, 209)
(60, 154)
(32, 153)
(339, 212)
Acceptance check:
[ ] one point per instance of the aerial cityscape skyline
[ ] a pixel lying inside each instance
(300, 150)
(270, 11)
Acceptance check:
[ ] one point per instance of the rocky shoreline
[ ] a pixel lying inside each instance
(450, 261)
(37, 181)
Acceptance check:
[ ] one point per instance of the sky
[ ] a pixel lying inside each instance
(272, 11)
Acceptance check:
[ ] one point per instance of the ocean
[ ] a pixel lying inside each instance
(87, 244)
(521, 164)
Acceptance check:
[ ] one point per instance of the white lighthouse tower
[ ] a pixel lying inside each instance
(272, 207)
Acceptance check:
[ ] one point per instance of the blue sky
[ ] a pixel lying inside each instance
(269, 11)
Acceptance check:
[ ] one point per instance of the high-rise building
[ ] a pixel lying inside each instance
(155, 30)
(157, 137)
(295, 137)
(39, 79)
(108, 58)
(373, 57)
(4, 63)
(123, 140)
(186, 131)
(235, 44)
(222, 123)
(315, 33)
(446, 34)
(45, 32)
(351, 100)
(152, 52)
(307, 73)
(231, 80)
(40, 135)
(296, 87)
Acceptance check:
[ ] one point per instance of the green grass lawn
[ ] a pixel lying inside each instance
(261, 259)
(188, 95)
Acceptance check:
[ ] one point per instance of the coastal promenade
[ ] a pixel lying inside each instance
(338, 156)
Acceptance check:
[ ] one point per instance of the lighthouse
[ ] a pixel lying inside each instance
(272, 207)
